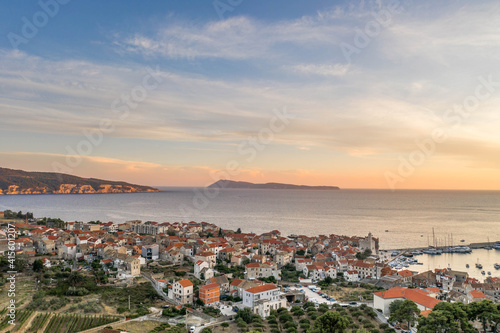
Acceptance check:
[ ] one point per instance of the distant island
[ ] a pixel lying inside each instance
(276, 186)
(23, 182)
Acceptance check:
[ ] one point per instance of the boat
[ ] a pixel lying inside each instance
(497, 246)
(387, 231)
(467, 266)
(462, 240)
(432, 251)
(489, 273)
(478, 265)
(482, 272)
(497, 266)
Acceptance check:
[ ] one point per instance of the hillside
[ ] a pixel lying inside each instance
(234, 184)
(23, 182)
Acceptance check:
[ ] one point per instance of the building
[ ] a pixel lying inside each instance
(475, 296)
(182, 291)
(369, 243)
(209, 293)
(255, 270)
(150, 252)
(383, 299)
(263, 299)
(207, 256)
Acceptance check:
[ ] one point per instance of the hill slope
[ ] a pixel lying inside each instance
(23, 182)
(234, 184)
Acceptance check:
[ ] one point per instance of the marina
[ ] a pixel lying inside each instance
(478, 263)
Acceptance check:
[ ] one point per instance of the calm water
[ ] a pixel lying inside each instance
(458, 262)
(409, 216)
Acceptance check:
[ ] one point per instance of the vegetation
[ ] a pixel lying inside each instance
(363, 255)
(60, 323)
(52, 180)
(406, 312)
(8, 214)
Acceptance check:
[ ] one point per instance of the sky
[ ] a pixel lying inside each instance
(356, 94)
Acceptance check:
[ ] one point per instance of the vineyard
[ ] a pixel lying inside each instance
(75, 323)
(55, 323)
(21, 317)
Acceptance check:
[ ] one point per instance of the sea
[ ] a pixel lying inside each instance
(400, 219)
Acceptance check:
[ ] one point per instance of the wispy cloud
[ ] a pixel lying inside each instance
(324, 70)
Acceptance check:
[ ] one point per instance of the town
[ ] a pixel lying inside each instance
(196, 276)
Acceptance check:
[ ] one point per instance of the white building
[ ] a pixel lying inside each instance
(382, 299)
(263, 299)
(182, 291)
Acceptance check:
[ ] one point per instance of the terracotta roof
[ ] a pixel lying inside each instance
(209, 286)
(259, 289)
(477, 294)
(405, 273)
(236, 282)
(425, 313)
(185, 283)
(415, 295)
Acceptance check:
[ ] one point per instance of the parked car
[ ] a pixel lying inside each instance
(191, 329)
(353, 303)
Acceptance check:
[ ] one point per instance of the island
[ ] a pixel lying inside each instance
(223, 183)
(22, 182)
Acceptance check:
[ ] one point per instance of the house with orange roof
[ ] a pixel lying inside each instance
(283, 257)
(351, 275)
(383, 299)
(203, 271)
(255, 270)
(405, 275)
(68, 251)
(209, 293)
(208, 256)
(262, 299)
(182, 291)
(475, 296)
(314, 272)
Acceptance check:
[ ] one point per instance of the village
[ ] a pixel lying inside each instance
(205, 277)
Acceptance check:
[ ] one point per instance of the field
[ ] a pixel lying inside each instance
(300, 319)
(137, 326)
(31, 321)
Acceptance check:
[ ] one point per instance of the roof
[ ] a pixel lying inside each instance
(477, 294)
(260, 289)
(185, 283)
(425, 313)
(209, 286)
(416, 295)
(236, 282)
(405, 273)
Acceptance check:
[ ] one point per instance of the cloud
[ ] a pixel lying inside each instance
(324, 70)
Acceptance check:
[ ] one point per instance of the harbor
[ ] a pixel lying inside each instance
(479, 262)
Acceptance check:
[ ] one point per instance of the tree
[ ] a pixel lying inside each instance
(206, 330)
(238, 231)
(446, 317)
(395, 305)
(37, 265)
(485, 311)
(407, 312)
(75, 278)
(224, 326)
(330, 322)
(363, 255)
(300, 252)
(245, 314)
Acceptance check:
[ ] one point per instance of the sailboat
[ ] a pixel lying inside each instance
(488, 247)
(478, 265)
